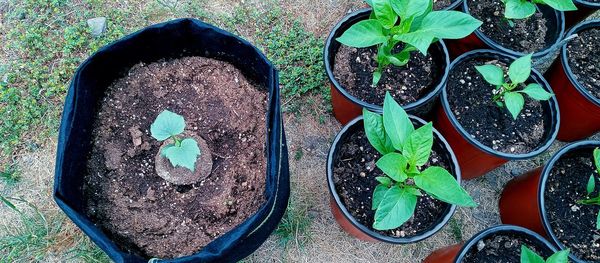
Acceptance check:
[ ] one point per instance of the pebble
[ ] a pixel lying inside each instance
(97, 25)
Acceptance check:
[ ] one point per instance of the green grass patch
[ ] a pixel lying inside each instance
(295, 225)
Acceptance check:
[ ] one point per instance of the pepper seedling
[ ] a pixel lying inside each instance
(591, 187)
(411, 22)
(506, 93)
(520, 9)
(182, 152)
(405, 151)
(529, 256)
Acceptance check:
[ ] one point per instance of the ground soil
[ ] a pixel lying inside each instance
(441, 4)
(527, 35)
(573, 224)
(470, 98)
(354, 67)
(504, 247)
(141, 211)
(584, 58)
(354, 178)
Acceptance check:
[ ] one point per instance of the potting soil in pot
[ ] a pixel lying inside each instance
(526, 35)
(470, 99)
(354, 67)
(503, 247)
(141, 211)
(354, 174)
(583, 53)
(441, 4)
(573, 224)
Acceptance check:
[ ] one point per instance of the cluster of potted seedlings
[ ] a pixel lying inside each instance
(162, 155)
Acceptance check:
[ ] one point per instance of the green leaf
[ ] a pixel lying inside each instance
(520, 70)
(597, 159)
(378, 195)
(376, 132)
(396, 122)
(397, 206)
(443, 186)
(591, 185)
(414, 191)
(519, 9)
(536, 92)
(384, 13)
(184, 155)
(598, 221)
(559, 257)
(528, 256)
(407, 9)
(363, 34)
(562, 5)
(492, 74)
(384, 180)
(167, 124)
(376, 77)
(369, 2)
(514, 103)
(393, 165)
(419, 39)
(417, 148)
(9, 204)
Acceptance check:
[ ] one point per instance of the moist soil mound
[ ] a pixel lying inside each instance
(504, 247)
(573, 224)
(354, 174)
(584, 59)
(142, 212)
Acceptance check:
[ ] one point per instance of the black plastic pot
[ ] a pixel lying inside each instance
(476, 159)
(478, 40)
(584, 9)
(349, 223)
(347, 107)
(174, 39)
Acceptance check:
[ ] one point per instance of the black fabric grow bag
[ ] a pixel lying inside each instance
(174, 39)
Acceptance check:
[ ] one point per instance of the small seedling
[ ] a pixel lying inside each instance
(405, 150)
(506, 93)
(591, 187)
(183, 152)
(411, 22)
(520, 9)
(528, 256)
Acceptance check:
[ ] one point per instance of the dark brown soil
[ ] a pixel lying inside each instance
(354, 175)
(141, 211)
(527, 35)
(441, 4)
(504, 247)
(470, 98)
(573, 224)
(584, 59)
(354, 67)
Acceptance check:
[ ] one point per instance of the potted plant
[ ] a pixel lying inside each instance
(496, 108)
(391, 182)
(395, 47)
(515, 27)
(559, 200)
(437, 5)
(155, 163)
(503, 243)
(574, 78)
(584, 9)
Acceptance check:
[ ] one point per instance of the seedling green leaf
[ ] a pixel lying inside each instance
(398, 128)
(506, 93)
(559, 257)
(182, 153)
(394, 166)
(396, 207)
(166, 125)
(520, 9)
(417, 148)
(440, 183)
(375, 131)
(590, 187)
(418, 28)
(597, 159)
(529, 256)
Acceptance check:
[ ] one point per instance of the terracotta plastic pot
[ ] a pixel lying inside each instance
(478, 40)
(580, 110)
(522, 201)
(347, 107)
(476, 159)
(456, 253)
(584, 9)
(349, 223)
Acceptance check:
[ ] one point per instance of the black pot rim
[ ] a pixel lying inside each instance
(454, 5)
(372, 107)
(363, 228)
(565, 61)
(587, 4)
(554, 111)
(493, 44)
(495, 229)
(542, 187)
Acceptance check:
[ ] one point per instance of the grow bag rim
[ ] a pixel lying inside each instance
(363, 104)
(594, 23)
(496, 229)
(587, 4)
(273, 112)
(363, 228)
(539, 78)
(542, 187)
(559, 15)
